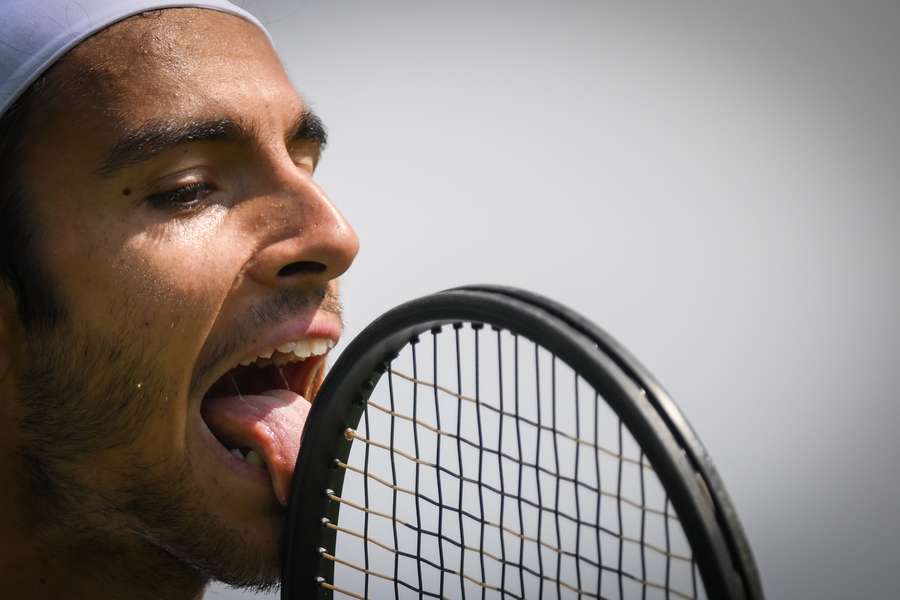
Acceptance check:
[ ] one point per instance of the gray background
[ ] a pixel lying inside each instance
(717, 185)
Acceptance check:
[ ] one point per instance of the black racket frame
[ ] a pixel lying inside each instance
(684, 467)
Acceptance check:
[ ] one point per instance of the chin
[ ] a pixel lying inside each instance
(241, 552)
(199, 518)
(252, 557)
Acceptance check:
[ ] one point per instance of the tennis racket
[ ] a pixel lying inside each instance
(486, 442)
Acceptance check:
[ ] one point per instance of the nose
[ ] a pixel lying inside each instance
(307, 240)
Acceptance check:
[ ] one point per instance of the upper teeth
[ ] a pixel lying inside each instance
(300, 349)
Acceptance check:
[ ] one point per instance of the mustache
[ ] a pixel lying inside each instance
(274, 310)
(288, 302)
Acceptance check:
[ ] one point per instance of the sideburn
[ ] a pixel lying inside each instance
(37, 303)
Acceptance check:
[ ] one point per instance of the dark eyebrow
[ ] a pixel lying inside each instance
(309, 126)
(154, 137)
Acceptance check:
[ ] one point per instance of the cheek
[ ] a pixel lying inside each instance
(98, 254)
(178, 281)
(193, 261)
(172, 272)
(160, 284)
(175, 285)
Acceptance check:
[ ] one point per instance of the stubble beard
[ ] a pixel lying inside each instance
(79, 401)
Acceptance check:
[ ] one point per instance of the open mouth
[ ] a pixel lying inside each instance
(257, 409)
(287, 367)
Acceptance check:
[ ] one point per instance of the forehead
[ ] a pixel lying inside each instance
(174, 62)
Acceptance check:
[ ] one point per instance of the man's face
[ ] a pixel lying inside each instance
(182, 232)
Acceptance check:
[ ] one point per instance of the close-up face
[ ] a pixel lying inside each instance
(194, 262)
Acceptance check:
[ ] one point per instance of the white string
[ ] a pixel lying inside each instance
(563, 434)
(451, 571)
(335, 588)
(351, 434)
(470, 549)
(398, 488)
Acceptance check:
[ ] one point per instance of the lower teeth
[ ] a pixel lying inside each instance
(255, 459)
(251, 457)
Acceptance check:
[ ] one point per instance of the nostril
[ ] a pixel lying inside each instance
(301, 267)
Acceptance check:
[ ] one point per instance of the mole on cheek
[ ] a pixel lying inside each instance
(126, 192)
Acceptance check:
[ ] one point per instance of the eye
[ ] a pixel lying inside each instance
(307, 165)
(183, 197)
(305, 154)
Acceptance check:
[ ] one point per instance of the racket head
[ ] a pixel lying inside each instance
(687, 438)
(716, 538)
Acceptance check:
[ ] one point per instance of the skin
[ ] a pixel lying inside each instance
(111, 490)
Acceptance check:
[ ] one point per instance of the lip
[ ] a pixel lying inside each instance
(323, 326)
(318, 326)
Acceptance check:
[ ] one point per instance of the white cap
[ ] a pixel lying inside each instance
(34, 34)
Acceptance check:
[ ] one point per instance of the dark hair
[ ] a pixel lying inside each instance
(20, 267)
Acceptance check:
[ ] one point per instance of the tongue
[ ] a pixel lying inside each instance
(270, 423)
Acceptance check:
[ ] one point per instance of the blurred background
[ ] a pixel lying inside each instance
(716, 184)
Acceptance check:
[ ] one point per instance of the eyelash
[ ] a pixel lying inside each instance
(184, 197)
(190, 195)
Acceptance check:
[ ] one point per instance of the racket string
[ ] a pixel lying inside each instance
(450, 558)
(577, 499)
(437, 416)
(516, 416)
(459, 397)
(481, 584)
(442, 537)
(394, 491)
(397, 488)
(481, 518)
(454, 542)
(572, 480)
(415, 405)
(503, 494)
